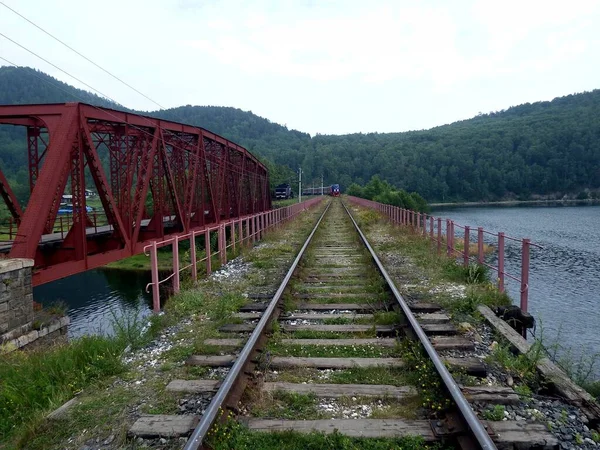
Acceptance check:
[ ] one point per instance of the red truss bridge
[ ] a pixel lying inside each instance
(153, 178)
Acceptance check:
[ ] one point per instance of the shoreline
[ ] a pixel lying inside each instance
(518, 203)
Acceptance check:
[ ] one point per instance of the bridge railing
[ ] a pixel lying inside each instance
(62, 225)
(445, 241)
(242, 231)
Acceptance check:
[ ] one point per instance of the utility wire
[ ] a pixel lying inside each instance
(225, 164)
(57, 68)
(82, 55)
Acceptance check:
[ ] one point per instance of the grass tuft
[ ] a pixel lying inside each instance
(45, 378)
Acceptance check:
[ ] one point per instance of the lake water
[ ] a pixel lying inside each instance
(564, 288)
(94, 298)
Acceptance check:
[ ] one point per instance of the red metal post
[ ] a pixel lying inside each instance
(431, 227)
(247, 231)
(439, 235)
(261, 225)
(525, 275)
(208, 252)
(176, 264)
(452, 246)
(223, 232)
(480, 245)
(233, 236)
(448, 237)
(501, 262)
(193, 256)
(154, 272)
(466, 247)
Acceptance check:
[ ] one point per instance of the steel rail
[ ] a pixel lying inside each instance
(197, 437)
(473, 422)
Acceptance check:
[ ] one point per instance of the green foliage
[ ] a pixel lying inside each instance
(579, 366)
(471, 274)
(231, 434)
(129, 328)
(45, 378)
(425, 377)
(286, 405)
(333, 351)
(495, 413)
(523, 390)
(522, 366)
(463, 308)
(383, 192)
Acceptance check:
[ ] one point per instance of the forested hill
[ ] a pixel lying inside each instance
(19, 85)
(545, 148)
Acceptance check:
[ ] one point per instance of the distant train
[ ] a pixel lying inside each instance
(335, 190)
(283, 192)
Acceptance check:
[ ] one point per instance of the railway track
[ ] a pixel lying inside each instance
(336, 347)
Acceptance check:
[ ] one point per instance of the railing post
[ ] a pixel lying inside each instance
(193, 256)
(448, 238)
(466, 248)
(257, 229)
(253, 228)
(208, 252)
(431, 226)
(424, 225)
(247, 231)
(524, 275)
(439, 235)
(480, 245)
(452, 246)
(233, 236)
(223, 244)
(501, 262)
(154, 272)
(176, 264)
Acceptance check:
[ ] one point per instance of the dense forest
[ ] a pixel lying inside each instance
(383, 192)
(547, 149)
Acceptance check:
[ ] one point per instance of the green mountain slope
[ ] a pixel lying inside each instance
(545, 148)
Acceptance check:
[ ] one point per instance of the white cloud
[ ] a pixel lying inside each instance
(328, 66)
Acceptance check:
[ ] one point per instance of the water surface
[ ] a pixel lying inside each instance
(565, 275)
(96, 297)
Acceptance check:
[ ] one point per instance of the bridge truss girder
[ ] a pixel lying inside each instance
(154, 178)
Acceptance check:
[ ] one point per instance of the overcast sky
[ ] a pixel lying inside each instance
(319, 66)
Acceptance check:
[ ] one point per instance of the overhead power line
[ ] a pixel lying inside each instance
(57, 68)
(81, 55)
(227, 164)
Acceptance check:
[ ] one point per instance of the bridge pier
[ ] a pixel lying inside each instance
(17, 317)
